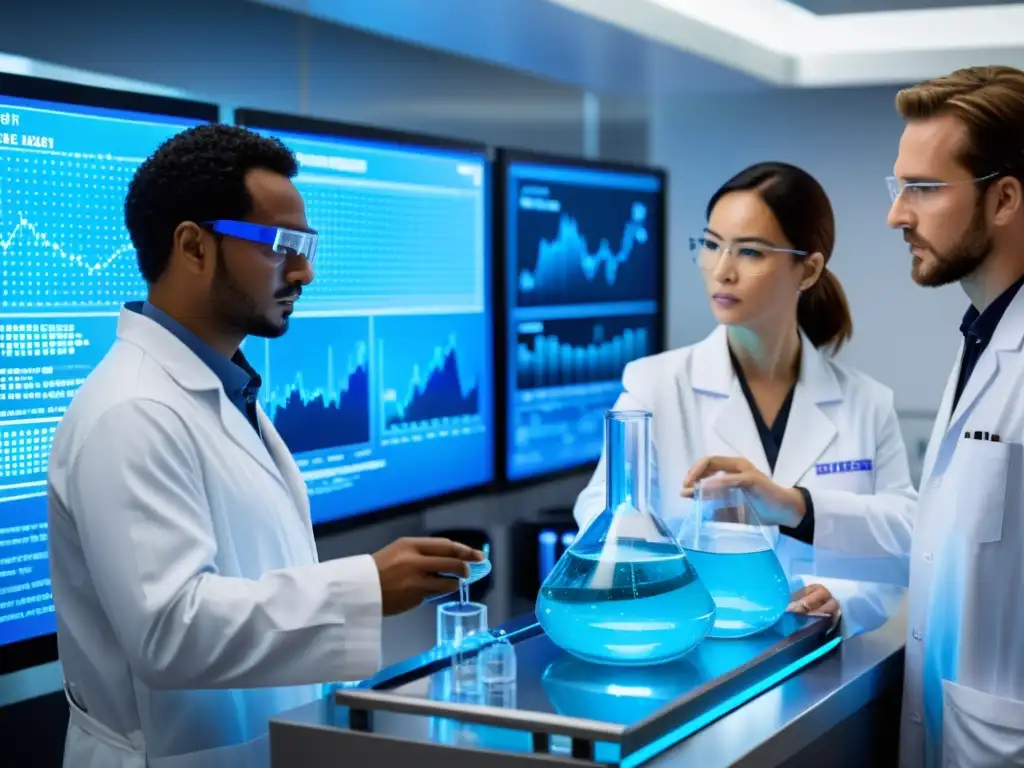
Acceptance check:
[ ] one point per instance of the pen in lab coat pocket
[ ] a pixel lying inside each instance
(979, 435)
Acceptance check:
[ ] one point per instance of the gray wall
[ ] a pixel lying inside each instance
(904, 335)
(242, 54)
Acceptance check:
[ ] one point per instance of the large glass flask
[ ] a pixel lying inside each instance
(624, 592)
(735, 559)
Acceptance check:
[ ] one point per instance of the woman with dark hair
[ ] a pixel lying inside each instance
(760, 403)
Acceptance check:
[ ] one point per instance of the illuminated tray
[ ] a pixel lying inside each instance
(565, 711)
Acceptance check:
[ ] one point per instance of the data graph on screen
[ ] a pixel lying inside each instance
(585, 253)
(383, 387)
(316, 389)
(63, 235)
(431, 378)
(67, 265)
(580, 350)
(575, 247)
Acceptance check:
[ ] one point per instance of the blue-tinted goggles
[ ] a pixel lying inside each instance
(283, 242)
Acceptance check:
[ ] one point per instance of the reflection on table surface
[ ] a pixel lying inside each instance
(551, 681)
(547, 680)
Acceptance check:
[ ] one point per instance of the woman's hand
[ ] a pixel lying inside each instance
(814, 599)
(773, 504)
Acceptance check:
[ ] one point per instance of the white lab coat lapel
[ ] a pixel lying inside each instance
(195, 376)
(982, 375)
(728, 418)
(966, 551)
(809, 430)
(290, 474)
(282, 458)
(942, 421)
(1002, 352)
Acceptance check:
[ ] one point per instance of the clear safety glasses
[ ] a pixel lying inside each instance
(751, 258)
(280, 241)
(915, 192)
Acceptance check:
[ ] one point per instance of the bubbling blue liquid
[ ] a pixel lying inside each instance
(627, 603)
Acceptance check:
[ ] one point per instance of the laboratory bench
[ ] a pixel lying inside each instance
(809, 692)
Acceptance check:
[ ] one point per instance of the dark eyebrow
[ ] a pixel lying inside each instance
(751, 240)
(920, 180)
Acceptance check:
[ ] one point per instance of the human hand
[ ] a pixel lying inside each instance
(773, 504)
(409, 570)
(814, 598)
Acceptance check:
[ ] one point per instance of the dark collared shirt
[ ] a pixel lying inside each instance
(978, 329)
(241, 383)
(771, 442)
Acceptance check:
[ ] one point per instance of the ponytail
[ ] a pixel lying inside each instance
(824, 314)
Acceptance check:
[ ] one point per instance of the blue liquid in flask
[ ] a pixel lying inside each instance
(744, 577)
(652, 609)
(624, 592)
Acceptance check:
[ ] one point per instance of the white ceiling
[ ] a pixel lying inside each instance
(860, 6)
(788, 45)
(662, 47)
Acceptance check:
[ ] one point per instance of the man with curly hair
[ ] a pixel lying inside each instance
(191, 606)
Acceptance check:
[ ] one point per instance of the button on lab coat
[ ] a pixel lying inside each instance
(963, 692)
(191, 606)
(842, 443)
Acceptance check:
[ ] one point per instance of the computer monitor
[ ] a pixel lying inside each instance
(382, 386)
(67, 153)
(582, 286)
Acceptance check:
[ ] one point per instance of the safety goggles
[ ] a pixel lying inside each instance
(918, 191)
(281, 241)
(749, 258)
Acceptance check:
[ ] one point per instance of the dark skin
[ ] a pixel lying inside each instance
(227, 290)
(187, 290)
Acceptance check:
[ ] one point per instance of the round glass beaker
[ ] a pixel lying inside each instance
(624, 592)
(735, 559)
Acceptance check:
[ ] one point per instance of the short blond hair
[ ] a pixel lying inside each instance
(989, 101)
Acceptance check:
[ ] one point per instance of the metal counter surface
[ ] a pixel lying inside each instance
(778, 724)
(599, 706)
(781, 722)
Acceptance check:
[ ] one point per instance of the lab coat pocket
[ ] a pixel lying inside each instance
(983, 468)
(980, 730)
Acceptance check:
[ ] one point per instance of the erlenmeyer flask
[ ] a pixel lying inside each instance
(624, 591)
(736, 561)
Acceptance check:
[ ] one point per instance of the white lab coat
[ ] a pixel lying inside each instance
(190, 604)
(837, 415)
(963, 692)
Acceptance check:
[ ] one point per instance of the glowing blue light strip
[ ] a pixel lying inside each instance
(658, 746)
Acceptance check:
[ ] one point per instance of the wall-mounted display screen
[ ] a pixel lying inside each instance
(382, 387)
(583, 281)
(67, 265)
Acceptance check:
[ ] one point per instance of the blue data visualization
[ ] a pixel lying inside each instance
(433, 378)
(400, 229)
(579, 350)
(66, 267)
(573, 246)
(316, 389)
(382, 387)
(584, 282)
